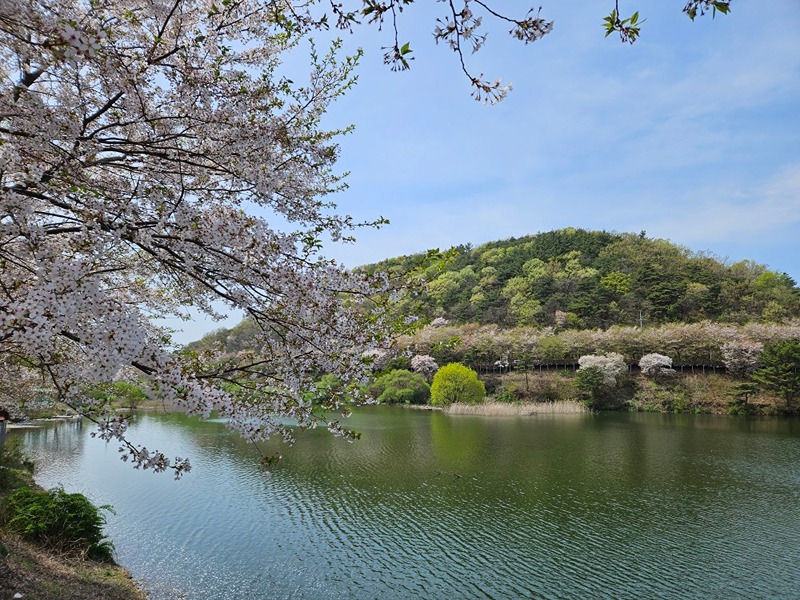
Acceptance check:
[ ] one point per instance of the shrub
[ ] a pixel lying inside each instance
(403, 387)
(492, 384)
(505, 396)
(67, 522)
(547, 386)
(591, 383)
(456, 383)
(654, 396)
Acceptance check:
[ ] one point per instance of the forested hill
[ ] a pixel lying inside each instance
(584, 280)
(595, 279)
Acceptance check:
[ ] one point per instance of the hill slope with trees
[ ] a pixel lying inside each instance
(573, 278)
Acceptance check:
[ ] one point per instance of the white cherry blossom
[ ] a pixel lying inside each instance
(145, 149)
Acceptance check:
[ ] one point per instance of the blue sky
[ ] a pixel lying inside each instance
(691, 134)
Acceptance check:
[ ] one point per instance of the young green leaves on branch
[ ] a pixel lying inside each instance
(699, 7)
(461, 28)
(629, 28)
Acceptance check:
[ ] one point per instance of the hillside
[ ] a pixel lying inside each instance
(595, 279)
(578, 279)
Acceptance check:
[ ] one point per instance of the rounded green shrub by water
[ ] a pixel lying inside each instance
(56, 519)
(456, 383)
(403, 387)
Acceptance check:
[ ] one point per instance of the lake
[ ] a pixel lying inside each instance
(427, 505)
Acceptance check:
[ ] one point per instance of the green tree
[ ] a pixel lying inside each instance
(127, 394)
(456, 383)
(780, 370)
(592, 386)
(403, 387)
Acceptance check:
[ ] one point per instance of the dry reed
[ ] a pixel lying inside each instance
(506, 409)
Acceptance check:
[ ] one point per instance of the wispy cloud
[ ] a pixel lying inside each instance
(772, 207)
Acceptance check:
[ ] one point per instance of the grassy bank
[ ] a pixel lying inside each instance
(41, 557)
(41, 574)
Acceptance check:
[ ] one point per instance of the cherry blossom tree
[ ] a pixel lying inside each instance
(741, 356)
(424, 364)
(611, 365)
(145, 149)
(656, 365)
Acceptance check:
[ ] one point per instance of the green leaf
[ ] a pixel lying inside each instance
(405, 49)
(722, 7)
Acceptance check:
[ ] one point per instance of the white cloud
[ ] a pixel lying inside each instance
(771, 207)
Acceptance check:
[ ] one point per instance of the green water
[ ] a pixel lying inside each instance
(427, 505)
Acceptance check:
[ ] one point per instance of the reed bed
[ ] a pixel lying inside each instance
(514, 409)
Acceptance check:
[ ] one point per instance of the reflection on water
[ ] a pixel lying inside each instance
(428, 505)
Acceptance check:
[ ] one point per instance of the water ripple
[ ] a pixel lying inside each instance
(427, 507)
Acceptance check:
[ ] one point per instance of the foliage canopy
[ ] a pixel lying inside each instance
(456, 383)
(573, 278)
(780, 370)
(401, 386)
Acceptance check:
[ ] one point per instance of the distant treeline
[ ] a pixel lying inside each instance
(690, 345)
(577, 279)
(550, 298)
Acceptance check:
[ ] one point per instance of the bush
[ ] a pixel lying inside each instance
(403, 387)
(505, 396)
(667, 397)
(456, 383)
(67, 522)
(492, 384)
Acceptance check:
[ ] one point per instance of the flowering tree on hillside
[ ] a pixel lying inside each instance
(143, 148)
(597, 377)
(424, 364)
(741, 356)
(656, 365)
(610, 365)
